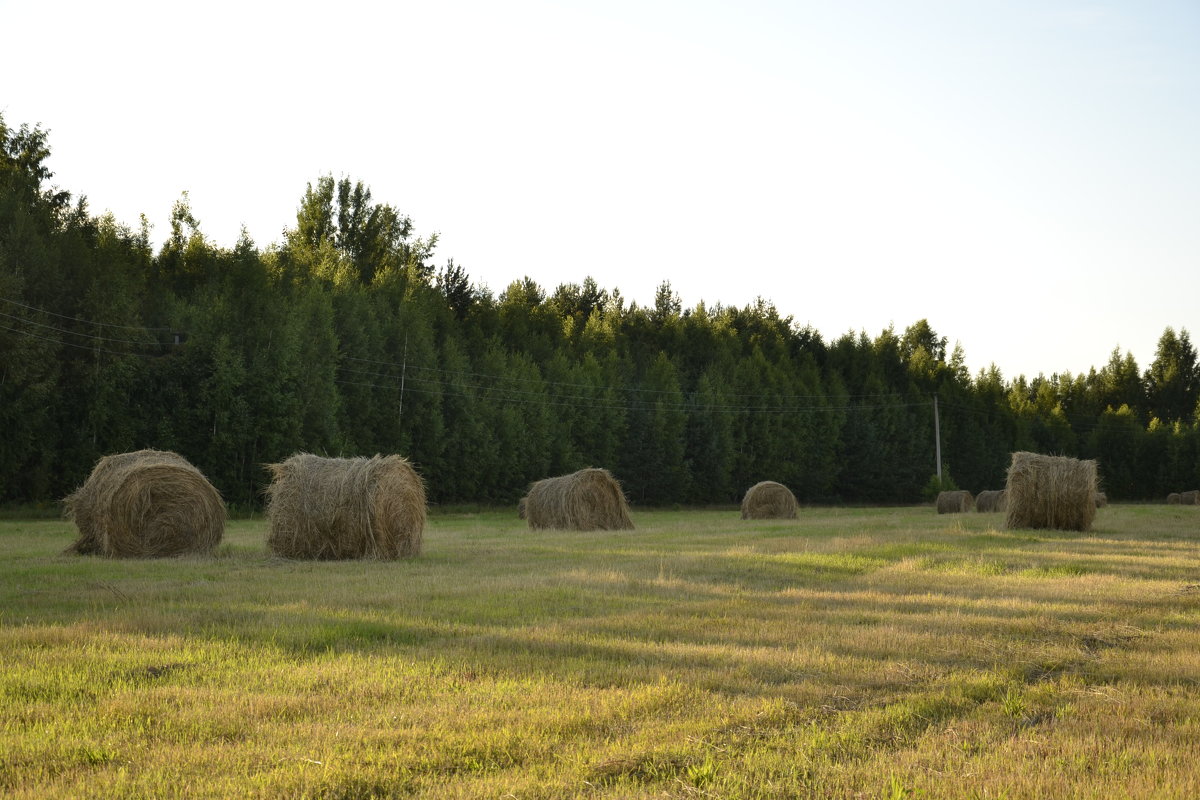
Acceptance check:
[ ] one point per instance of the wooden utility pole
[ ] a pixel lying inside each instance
(937, 438)
(404, 373)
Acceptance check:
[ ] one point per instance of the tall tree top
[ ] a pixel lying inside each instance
(1173, 380)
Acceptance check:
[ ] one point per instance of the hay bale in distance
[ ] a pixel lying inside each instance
(1101, 499)
(588, 500)
(340, 508)
(958, 501)
(1173, 499)
(990, 500)
(146, 504)
(1189, 498)
(769, 500)
(1053, 492)
(521, 507)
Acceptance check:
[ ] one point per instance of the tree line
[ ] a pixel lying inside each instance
(346, 338)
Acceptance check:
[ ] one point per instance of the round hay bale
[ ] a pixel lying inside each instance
(521, 507)
(1173, 499)
(769, 500)
(957, 501)
(1189, 498)
(990, 500)
(1101, 499)
(588, 500)
(1053, 492)
(146, 504)
(339, 508)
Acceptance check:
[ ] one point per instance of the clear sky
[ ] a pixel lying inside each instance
(1026, 175)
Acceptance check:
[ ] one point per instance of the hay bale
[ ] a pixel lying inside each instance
(990, 500)
(521, 507)
(769, 500)
(1189, 498)
(1101, 499)
(339, 508)
(1173, 499)
(958, 501)
(1051, 492)
(145, 504)
(588, 500)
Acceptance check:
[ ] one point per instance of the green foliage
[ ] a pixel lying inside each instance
(1115, 444)
(937, 485)
(652, 461)
(896, 790)
(1173, 380)
(1013, 702)
(344, 339)
(702, 774)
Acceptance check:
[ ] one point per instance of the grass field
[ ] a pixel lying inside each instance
(878, 653)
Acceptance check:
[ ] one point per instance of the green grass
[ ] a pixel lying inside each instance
(878, 653)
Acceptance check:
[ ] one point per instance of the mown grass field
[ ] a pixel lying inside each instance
(879, 653)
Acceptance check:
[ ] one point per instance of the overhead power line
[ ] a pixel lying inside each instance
(547, 382)
(80, 334)
(88, 347)
(1079, 424)
(77, 319)
(524, 397)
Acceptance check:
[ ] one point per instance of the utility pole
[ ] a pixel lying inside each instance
(404, 372)
(937, 438)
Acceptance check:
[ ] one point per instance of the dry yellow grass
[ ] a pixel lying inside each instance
(875, 653)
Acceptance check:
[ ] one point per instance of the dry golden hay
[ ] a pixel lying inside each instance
(769, 500)
(1051, 492)
(1173, 499)
(339, 508)
(990, 500)
(957, 501)
(146, 504)
(588, 500)
(1189, 498)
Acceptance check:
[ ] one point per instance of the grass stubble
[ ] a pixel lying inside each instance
(883, 653)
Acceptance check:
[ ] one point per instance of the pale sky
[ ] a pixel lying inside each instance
(1026, 175)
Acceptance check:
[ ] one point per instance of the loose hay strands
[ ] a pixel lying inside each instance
(1053, 492)
(146, 504)
(588, 500)
(958, 501)
(769, 500)
(1189, 498)
(990, 500)
(339, 508)
(1173, 499)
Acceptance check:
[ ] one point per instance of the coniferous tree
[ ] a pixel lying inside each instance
(1173, 380)
(343, 339)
